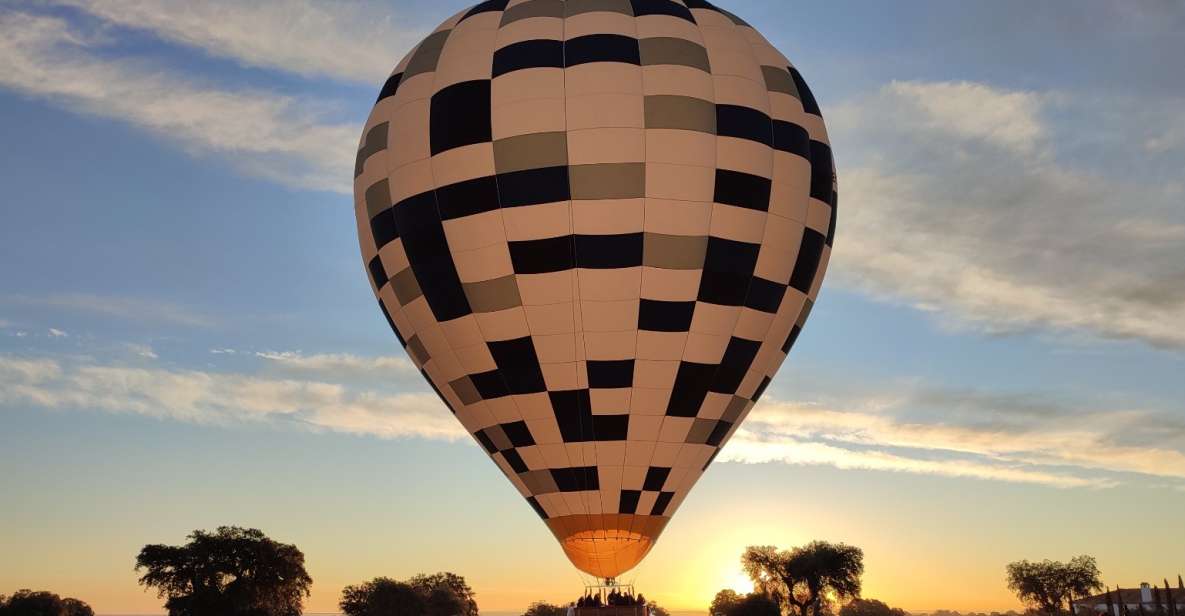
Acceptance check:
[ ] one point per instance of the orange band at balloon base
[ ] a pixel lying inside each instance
(606, 545)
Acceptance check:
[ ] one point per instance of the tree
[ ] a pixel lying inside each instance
(456, 584)
(869, 607)
(230, 572)
(756, 604)
(806, 578)
(543, 608)
(42, 603)
(724, 602)
(382, 597)
(439, 594)
(1049, 585)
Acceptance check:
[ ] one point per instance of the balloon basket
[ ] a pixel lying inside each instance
(610, 599)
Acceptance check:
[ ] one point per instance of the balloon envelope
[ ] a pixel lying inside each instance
(597, 227)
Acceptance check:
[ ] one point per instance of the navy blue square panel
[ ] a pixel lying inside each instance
(390, 87)
(518, 364)
(489, 385)
(534, 186)
(489, 6)
(662, 316)
(791, 339)
(611, 374)
(576, 479)
(553, 254)
(738, 356)
(661, 7)
(573, 414)
(628, 501)
(610, 427)
(760, 389)
(723, 288)
(809, 104)
(719, 432)
(656, 477)
(391, 323)
(515, 461)
(377, 272)
(822, 172)
(728, 270)
(809, 254)
(537, 507)
(467, 198)
(485, 441)
(731, 256)
(661, 503)
(535, 53)
(382, 227)
(744, 123)
(518, 433)
(742, 190)
(602, 48)
(792, 138)
(765, 295)
(460, 115)
(609, 251)
(691, 387)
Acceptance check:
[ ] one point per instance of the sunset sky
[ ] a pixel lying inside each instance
(995, 369)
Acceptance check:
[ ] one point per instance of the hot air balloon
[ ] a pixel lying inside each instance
(597, 227)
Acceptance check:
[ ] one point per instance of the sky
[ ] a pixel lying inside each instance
(995, 369)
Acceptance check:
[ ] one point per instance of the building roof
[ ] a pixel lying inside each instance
(1132, 596)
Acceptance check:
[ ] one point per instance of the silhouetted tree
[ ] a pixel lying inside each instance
(756, 604)
(724, 602)
(439, 594)
(543, 608)
(869, 607)
(1048, 585)
(230, 572)
(26, 602)
(383, 597)
(452, 582)
(806, 578)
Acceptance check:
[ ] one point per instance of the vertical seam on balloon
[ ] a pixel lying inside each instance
(572, 234)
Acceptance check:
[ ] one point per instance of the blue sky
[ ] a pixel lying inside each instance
(187, 336)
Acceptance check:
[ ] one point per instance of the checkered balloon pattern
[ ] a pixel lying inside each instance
(597, 227)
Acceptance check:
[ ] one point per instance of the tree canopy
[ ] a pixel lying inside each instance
(806, 579)
(438, 594)
(27, 602)
(731, 603)
(543, 608)
(1049, 585)
(230, 572)
(870, 607)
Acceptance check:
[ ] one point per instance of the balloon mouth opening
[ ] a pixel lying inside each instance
(611, 549)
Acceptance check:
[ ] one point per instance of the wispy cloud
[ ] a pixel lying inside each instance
(263, 133)
(206, 397)
(964, 434)
(130, 308)
(57, 333)
(355, 41)
(926, 431)
(342, 364)
(961, 204)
